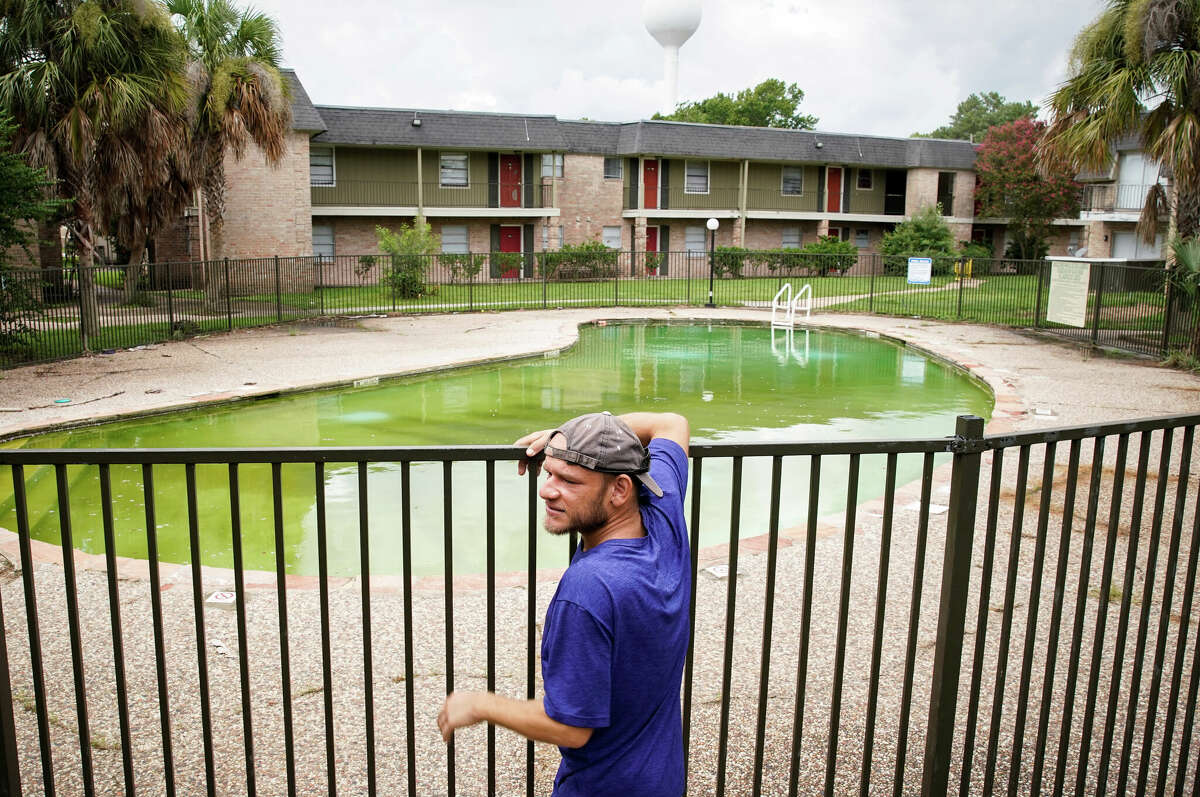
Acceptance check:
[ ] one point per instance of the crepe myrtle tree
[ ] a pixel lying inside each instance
(1010, 186)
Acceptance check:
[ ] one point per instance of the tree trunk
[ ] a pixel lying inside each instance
(1187, 211)
(133, 270)
(89, 311)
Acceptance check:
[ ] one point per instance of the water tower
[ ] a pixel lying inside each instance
(671, 23)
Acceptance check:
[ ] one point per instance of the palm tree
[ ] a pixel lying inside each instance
(241, 96)
(96, 89)
(1133, 71)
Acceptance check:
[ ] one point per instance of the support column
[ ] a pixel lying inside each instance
(739, 226)
(420, 186)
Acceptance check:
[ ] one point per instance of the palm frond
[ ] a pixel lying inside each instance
(1156, 206)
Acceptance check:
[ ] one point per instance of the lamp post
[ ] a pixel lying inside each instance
(712, 225)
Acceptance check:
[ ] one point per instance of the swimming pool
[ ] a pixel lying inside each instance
(736, 383)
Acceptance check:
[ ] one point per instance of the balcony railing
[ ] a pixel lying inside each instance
(392, 193)
(1115, 197)
(810, 201)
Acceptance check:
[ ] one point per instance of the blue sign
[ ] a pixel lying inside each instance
(920, 270)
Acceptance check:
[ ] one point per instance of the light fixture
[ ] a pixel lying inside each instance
(818, 145)
(416, 122)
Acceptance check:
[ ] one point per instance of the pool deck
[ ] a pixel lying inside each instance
(1037, 383)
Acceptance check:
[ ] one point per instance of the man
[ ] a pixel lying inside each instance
(616, 631)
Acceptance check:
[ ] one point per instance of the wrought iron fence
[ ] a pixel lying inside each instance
(1021, 617)
(1131, 307)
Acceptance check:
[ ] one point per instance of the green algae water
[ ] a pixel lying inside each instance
(734, 383)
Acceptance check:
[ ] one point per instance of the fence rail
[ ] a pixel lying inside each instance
(1130, 307)
(1035, 633)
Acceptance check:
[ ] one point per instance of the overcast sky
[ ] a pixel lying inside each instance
(885, 67)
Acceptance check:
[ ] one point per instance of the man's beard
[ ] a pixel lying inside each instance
(592, 519)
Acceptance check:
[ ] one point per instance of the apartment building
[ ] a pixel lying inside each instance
(520, 183)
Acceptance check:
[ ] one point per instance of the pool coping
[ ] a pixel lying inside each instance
(1006, 409)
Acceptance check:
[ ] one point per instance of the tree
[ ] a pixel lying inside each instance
(411, 250)
(241, 97)
(1132, 72)
(979, 112)
(1011, 187)
(926, 234)
(23, 203)
(771, 103)
(80, 79)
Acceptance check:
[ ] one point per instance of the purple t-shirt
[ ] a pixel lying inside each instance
(613, 649)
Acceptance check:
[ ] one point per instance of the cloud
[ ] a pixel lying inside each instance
(868, 66)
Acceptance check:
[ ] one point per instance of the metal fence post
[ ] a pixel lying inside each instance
(319, 286)
(952, 612)
(1165, 346)
(278, 294)
(1099, 302)
(228, 301)
(544, 287)
(871, 287)
(83, 335)
(171, 301)
(962, 273)
(1037, 302)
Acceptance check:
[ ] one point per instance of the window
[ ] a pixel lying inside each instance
(792, 183)
(613, 169)
(612, 237)
(552, 164)
(694, 240)
(866, 180)
(695, 177)
(453, 170)
(320, 166)
(323, 240)
(945, 195)
(791, 238)
(862, 238)
(454, 239)
(552, 234)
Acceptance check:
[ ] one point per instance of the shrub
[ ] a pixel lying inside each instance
(926, 234)
(829, 253)
(728, 261)
(590, 260)
(653, 262)
(410, 250)
(503, 262)
(462, 267)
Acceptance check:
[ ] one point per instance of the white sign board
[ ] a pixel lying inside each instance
(920, 270)
(1067, 302)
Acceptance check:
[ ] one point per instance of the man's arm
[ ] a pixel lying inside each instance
(526, 717)
(646, 425)
(649, 425)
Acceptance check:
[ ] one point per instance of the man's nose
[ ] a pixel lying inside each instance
(547, 491)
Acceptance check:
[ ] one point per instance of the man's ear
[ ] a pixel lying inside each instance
(622, 489)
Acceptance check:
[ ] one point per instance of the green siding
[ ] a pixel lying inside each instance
(867, 201)
(765, 188)
(370, 177)
(722, 186)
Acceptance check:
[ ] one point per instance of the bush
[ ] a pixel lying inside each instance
(728, 261)
(591, 260)
(926, 234)
(504, 262)
(410, 250)
(653, 262)
(462, 267)
(829, 253)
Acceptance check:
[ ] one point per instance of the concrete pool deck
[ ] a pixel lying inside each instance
(1029, 377)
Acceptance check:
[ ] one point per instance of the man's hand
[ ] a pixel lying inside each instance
(459, 711)
(535, 444)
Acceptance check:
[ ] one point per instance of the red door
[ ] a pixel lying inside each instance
(651, 247)
(650, 180)
(510, 241)
(834, 185)
(510, 182)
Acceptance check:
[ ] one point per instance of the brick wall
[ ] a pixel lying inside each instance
(768, 234)
(588, 202)
(268, 209)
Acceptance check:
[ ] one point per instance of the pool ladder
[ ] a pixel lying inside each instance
(784, 306)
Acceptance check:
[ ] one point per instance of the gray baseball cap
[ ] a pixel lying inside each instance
(602, 442)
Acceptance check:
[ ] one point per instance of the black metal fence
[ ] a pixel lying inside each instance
(44, 317)
(1022, 619)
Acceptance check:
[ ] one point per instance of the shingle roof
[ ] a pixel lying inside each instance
(304, 114)
(394, 128)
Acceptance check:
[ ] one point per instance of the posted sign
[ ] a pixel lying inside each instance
(1067, 302)
(920, 270)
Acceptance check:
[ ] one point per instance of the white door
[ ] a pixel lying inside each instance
(1130, 245)
(1135, 174)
